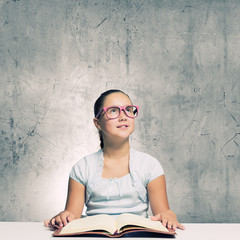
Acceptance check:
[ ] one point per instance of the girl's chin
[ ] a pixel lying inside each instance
(120, 137)
(124, 132)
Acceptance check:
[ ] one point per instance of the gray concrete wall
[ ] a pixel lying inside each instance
(178, 60)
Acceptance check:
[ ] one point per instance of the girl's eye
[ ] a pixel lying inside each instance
(112, 110)
(129, 109)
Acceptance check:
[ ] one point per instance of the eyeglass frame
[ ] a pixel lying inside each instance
(120, 110)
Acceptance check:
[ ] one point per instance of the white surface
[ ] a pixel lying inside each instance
(36, 231)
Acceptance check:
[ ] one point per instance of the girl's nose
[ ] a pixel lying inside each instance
(122, 115)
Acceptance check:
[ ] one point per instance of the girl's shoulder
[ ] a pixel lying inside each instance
(86, 167)
(145, 166)
(142, 157)
(89, 162)
(90, 158)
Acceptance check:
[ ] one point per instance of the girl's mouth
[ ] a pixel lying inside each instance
(122, 126)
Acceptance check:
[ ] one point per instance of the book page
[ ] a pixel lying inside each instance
(98, 222)
(132, 219)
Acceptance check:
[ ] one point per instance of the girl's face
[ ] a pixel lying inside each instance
(119, 128)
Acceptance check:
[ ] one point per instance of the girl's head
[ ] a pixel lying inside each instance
(114, 116)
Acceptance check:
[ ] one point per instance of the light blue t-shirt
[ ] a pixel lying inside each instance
(127, 194)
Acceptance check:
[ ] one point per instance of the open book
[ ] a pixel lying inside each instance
(126, 224)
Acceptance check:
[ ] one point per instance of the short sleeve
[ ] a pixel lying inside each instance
(153, 170)
(79, 171)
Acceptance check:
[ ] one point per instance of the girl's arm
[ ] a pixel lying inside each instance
(159, 204)
(74, 205)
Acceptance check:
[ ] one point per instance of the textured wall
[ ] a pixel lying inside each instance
(178, 60)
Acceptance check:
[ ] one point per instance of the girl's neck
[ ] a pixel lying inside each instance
(116, 151)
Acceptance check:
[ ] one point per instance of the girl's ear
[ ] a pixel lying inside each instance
(97, 123)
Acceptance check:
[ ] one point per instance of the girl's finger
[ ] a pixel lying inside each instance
(47, 223)
(169, 224)
(58, 221)
(175, 226)
(52, 223)
(156, 217)
(164, 222)
(180, 226)
(64, 220)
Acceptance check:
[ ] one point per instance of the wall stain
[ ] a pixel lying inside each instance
(101, 22)
(128, 45)
(232, 139)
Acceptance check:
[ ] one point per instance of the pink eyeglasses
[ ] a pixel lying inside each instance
(113, 112)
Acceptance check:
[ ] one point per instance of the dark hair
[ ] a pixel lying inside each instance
(99, 104)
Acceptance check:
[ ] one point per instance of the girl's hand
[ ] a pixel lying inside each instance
(60, 220)
(168, 219)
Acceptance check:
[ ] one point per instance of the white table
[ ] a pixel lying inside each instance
(36, 231)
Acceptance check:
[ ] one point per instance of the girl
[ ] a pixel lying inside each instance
(117, 178)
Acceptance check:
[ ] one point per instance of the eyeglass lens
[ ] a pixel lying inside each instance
(114, 112)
